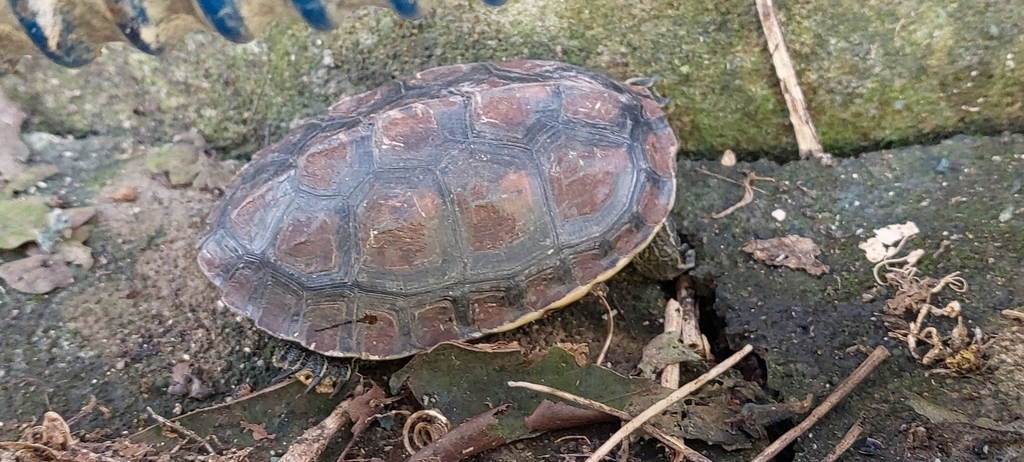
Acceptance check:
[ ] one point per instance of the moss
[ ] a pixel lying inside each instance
(883, 74)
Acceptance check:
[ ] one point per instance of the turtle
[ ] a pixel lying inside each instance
(465, 200)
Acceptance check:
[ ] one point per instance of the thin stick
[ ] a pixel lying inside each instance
(723, 178)
(611, 326)
(848, 439)
(669, 400)
(873, 360)
(180, 429)
(803, 128)
(748, 194)
(678, 446)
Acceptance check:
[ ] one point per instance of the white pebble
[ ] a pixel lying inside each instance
(779, 214)
(728, 158)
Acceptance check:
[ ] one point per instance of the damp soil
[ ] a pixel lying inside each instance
(119, 330)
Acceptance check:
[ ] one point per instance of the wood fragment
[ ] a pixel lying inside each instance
(477, 434)
(846, 442)
(856, 377)
(673, 323)
(1013, 314)
(180, 429)
(806, 136)
(672, 442)
(310, 445)
(669, 400)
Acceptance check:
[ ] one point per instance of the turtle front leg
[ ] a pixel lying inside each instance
(325, 375)
(667, 256)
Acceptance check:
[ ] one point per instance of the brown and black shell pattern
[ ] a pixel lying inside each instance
(467, 200)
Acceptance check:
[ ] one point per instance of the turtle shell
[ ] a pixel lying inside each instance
(466, 200)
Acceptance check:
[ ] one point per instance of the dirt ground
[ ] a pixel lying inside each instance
(118, 331)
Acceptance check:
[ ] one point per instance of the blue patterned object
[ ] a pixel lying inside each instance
(406, 8)
(75, 31)
(132, 18)
(314, 13)
(68, 50)
(226, 19)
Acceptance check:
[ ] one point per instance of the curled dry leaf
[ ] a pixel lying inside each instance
(793, 251)
(37, 274)
(259, 431)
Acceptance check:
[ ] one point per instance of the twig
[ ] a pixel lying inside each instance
(85, 410)
(310, 445)
(672, 442)
(848, 439)
(873, 360)
(730, 180)
(611, 325)
(1013, 314)
(180, 429)
(806, 136)
(748, 194)
(669, 400)
(20, 446)
(690, 334)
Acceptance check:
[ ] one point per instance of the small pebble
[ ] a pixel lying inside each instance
(728, 158)
(943, 165)
(779, 214)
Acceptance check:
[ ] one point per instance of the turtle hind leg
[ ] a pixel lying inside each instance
(319, 373)
(667, 256)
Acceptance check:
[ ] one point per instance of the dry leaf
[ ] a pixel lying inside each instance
(259, 432)
(577, 350)
(37, 274)
(75, 252)
(793, 251)
(667, 348)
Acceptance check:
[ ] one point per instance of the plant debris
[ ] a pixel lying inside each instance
(357, 410)
(883, 244)
(185, 163)
(668, 348)
(37, 274)
(22, 220)
(959, 351)
(123, 194)
(475, 435)
(792, 251)
(187, 379)
(259, 431)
